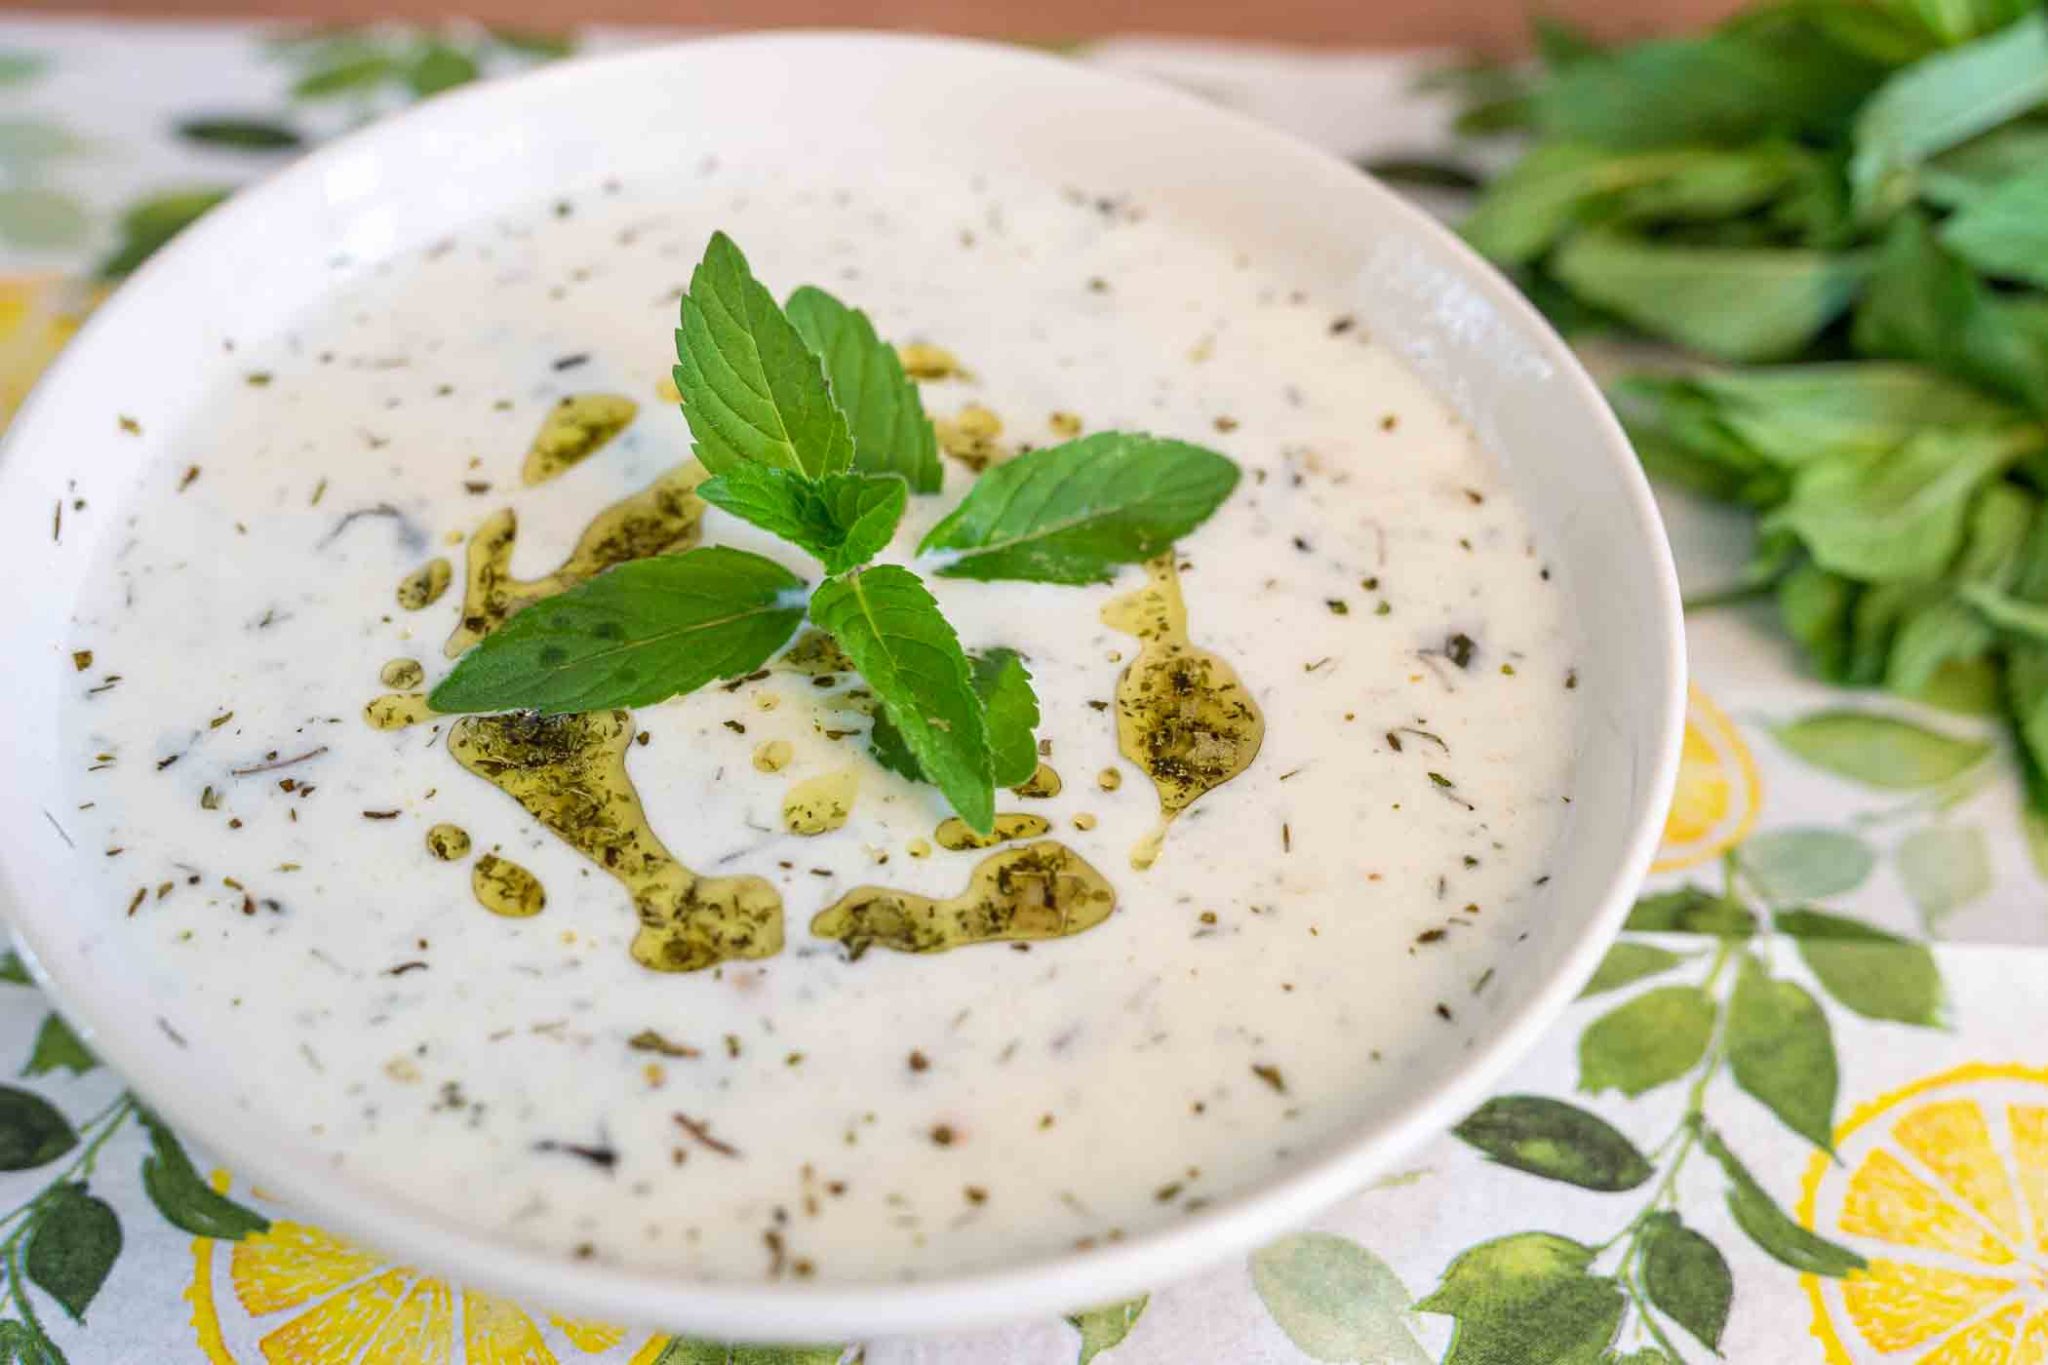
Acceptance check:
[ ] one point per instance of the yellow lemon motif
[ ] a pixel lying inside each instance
(1942, 1186)
(38, 314)
(1718, 793)
(295, 1295)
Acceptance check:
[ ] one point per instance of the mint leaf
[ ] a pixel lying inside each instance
(1004, 686)
(844, 520)
(1010, 708)
(2004, 232)
(1071, 513)
(1944, 100)
(1899, 516)
(891, 628)
(887, 747)
(1796, 413)
(1563, 185)
(752, 391)
(891, 434)
(1979, 166)
(1924, 304)
(632, 636)
(1778, 74)
(1736, 303)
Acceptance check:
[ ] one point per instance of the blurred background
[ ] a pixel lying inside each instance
(1493, 26)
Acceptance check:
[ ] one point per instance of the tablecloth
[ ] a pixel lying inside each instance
(1800, 1115)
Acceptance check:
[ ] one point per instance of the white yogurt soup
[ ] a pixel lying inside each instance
(400, 932)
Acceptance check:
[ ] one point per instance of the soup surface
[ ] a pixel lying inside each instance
(403, 939)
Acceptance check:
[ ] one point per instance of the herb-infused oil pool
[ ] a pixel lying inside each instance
(709, 985)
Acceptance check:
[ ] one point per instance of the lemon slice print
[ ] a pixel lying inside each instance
(1943, 1187)
(38, 314)
(295, 1295)
(1718, 792)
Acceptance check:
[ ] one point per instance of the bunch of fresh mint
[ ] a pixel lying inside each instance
(1861, 187)
(812, 432)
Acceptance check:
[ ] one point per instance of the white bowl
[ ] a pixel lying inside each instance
(810, 100)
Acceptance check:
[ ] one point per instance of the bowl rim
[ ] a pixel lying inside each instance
(796, 1310)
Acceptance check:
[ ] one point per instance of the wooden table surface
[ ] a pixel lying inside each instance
(1490, 25)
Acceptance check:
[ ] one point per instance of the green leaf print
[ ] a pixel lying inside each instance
(1650, 1041)
(1880, 751)
(440, 67)
(351, 75)
(1690, 910)
(58, 1047)
(1627, 963)
(23, 1344)
(240, 134)
(1877, 974)
(1686, 1277)
(1944, 868)
(184, 1198)
(1530, 1298)
(151, 222)
(1782, 1052)
(40, 219)
(1107, 1326)
(13, 969)
(1336, 1301)
(17, 66)
(72, 1245)
(1555, 1140)
(32, 1133)
(1789, 865)
(26, 143)
(1757, 1214)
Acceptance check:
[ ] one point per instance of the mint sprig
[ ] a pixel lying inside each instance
(813, 433)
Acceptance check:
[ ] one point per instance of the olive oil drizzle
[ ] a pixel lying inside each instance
(576, 428)
(397, 710)
(503, 887)
(664, 516)
(423, 587)
(821, 804)
(1044, 782)
(953, 832)
(569, 773)
(402, 673)
(1031, 891)
(1182, 713)
(449, 843)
